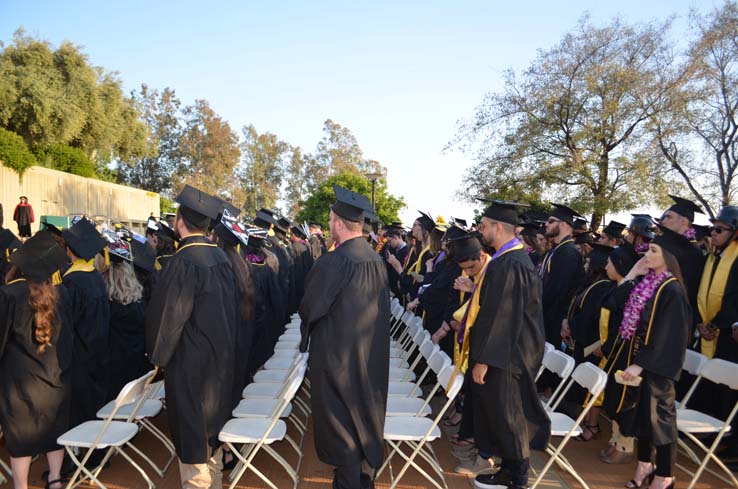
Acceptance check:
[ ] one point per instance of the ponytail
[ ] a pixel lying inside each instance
(43, 297)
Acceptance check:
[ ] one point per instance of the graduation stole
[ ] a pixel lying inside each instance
(194, 244)
(712, 288)
(81, 265)
(419, 263)
(408, 257)
(546, 263)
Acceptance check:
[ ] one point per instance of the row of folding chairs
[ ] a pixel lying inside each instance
(271, 401)
(3, 466)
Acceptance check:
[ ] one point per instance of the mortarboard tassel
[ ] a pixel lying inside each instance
(238, 248)
(107, 257)
(271, 230)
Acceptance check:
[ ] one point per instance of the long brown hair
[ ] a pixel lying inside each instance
(43, 296)
(672, 264)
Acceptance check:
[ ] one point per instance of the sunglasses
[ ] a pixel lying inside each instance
(720, 230)
(551, 220)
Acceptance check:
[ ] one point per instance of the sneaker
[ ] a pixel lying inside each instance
(475, 466)
(500, 480)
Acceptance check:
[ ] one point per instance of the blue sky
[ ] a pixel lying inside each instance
(398, 74)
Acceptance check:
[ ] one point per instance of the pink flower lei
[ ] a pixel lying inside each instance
(690, 233)
(637, 300)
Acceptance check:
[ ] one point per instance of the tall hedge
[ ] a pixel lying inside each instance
(14, 152)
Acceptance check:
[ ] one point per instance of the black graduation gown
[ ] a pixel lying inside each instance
(90, 311)
(659, 347)
(35, 388)
(408, 285)
(284, 272)
(562, 275)
(127, 345)
(303, 263)
(345, 318)
(392, 274)
(691, 263)
(191, 326)
(584, 317)
(508, 336)
(317, 246)
(435, 296)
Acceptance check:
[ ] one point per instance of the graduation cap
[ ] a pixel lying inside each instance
(52, 229)
(165, 232)
(623, 258)
(118, 249)
(350, 205)
(300, 231)
(465, 247)
(584, 238)
(84, 239)
(579, 224)
(598, 256)
(231, 231)
(614, 229)
(674, 243)
(459, 222)
(502, 211)
(283, 225)
(265, 218)
(40, 257)
(534, 216)
(426, 221)
(701, 232)
(564, 213)
(198, 207)
(9, 242)
(454, 232)
(144, 255)
(684, 207)
(394, 225)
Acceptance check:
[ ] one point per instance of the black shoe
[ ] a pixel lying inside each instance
(366, 481)
(231, 463)
(496, 481)
(67, 469)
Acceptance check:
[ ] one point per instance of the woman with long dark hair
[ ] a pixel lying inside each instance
(35, 359)
(655, 329)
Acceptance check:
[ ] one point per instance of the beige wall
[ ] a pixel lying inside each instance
(51, 192)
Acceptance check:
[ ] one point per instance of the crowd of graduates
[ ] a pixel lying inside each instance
(207, 292)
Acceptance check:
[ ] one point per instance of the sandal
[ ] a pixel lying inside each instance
(632, 484)
(57, 481)
(228, 465)
(592, 429)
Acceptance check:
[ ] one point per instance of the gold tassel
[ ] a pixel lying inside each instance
(56, 278)
(7, 253)
(271, 230)
(157, 265)
(176, 245)
(107, 257)
(238, 248)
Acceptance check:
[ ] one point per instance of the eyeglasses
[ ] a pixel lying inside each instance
(552, 220)
(720, 230)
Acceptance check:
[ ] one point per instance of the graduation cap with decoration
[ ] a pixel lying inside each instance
(502, 211)
(119, 249)
(231, 231)
(300, 230)
(144, 255)
(9, 242)
(40, 257)
(564, 213)
(197, 207)
(684, 207)
(614, 229)
(151, 226)
(83, 238)
(350, 205)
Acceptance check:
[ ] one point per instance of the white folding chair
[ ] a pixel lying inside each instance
(287, 345)
(413, 389)
(591, 378)
(414, 406)
(407, 374)
(3, 466)
(108, 434)
(693, 363)
(695, 423)
(150, 408)
(417, 432)
(256, 434)
(560, 364)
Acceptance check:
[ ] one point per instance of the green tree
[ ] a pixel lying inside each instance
(572, 126)
(161, 113)
(209, 152)
(14, 152)
(295, 181)
(317, 206)
(698, 135)
(261, 170)
(52, 96)
(65, 158)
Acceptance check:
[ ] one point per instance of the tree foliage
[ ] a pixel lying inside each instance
(572, 126)
(14, 152)
(317, 206)
(65, 158)
(262, 169)
(54, 96)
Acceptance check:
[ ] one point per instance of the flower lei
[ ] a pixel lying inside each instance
(637, 300)
(641, 248)
(253, 258)
(690, 233)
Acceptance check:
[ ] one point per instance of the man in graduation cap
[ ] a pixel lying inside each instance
(316, 241)
(679, 218)
(302, 259)
(191, 324)
(562, 271)
(506, 350)
(641, 231)
(345, 322)
(612, 235)
(395, 246)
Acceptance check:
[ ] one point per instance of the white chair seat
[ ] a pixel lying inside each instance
(279, 363)
(691, 421)
(117, 433)
(398, 362)
(401, 374)
(396, 352)
(259, 408)
(150, 409)
(291, 326)
(409, 428)
(287, 345)
(251, 430)
(267, 390)
(271, 376)
(561, 424)
(407, 406)
(159, 393)
(402, 389)
(284, 354)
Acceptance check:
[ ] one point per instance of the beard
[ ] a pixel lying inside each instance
(554, 232)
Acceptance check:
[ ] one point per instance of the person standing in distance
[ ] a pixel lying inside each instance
(345, 322)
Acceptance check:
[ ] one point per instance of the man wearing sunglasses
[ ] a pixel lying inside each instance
(717, 302)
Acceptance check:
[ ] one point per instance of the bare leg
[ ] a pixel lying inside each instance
(20, 467)
(55, 460)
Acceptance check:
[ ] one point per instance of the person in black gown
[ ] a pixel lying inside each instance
(36, 341)
(656, 324)
(9, 242)
(90, 310)
(506, 350)
(303, 260)
(191, 324)
(345, 321)
(396, 247)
